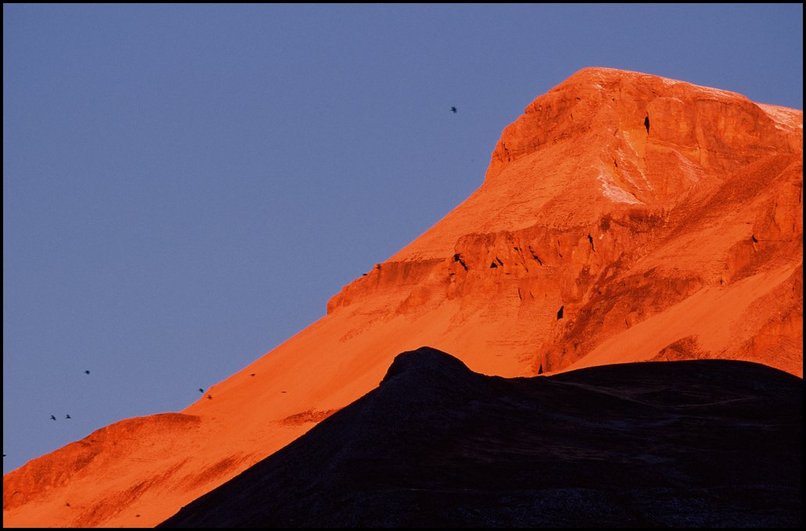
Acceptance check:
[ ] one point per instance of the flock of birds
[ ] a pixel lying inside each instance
(67, 416)
(454, 110)
(201, 389)
(87, 372)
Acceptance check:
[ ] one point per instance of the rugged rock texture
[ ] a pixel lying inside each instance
(619, 196)
(687, 444)
(624, 217)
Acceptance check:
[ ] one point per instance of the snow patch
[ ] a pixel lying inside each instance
(783, 117)
(613, 192)
(620, 157)
(667, 82)
(629, 141)
(690, 170)
(718, 92)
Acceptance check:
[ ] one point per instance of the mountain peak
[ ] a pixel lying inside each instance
(604, 142)
(624, 217)
(602, 78)
(603, 112)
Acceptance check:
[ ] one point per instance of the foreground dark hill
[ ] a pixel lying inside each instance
(690, 443)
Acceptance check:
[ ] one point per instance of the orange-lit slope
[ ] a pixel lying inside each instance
(664, 220)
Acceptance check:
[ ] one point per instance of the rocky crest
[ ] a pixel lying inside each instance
(624, 217)
(616, 196)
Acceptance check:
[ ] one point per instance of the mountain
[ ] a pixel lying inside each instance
(624, 217)
(692, 443)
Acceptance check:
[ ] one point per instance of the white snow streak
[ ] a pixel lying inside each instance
(783, 116)
(613, 192)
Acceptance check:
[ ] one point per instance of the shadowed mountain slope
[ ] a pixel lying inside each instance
(692, 443)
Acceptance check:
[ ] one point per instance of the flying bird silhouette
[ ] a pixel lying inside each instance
(68, 416)
(201, 390)
(86, 372)
(453, 110)
(52, 417)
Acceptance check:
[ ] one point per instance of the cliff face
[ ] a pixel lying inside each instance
(624, 217)
(618, 196)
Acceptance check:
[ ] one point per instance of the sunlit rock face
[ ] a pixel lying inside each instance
(624, 217)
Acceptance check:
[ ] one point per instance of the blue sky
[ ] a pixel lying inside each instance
(184, 187)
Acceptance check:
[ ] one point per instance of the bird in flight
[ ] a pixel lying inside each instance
(86, 372)
(201, 390)
(453, 110)
(52, 417)
(68, 416)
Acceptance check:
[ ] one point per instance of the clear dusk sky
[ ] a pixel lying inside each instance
(185, 186)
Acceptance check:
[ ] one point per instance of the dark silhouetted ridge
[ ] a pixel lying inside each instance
(692, 443)
(426, 363)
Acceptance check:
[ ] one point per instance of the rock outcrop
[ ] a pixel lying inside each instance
(624, 217)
